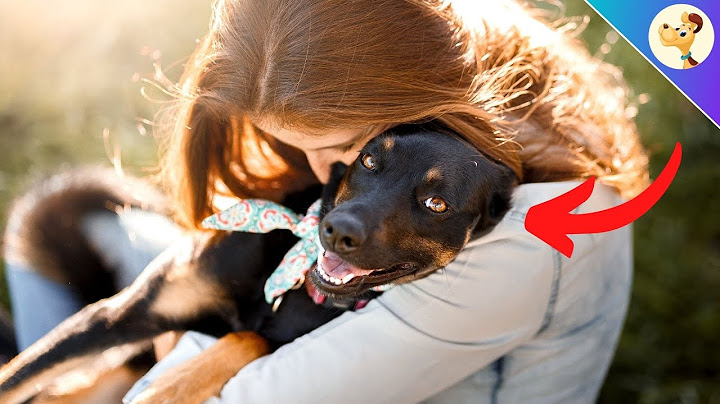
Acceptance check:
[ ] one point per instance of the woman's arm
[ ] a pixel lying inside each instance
(416, 339)
(419, 338)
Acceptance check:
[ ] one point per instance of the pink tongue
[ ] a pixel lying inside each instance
(338, 268)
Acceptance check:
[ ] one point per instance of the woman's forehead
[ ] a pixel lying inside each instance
(311, 139)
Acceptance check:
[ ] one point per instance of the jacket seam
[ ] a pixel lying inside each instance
(554, 288)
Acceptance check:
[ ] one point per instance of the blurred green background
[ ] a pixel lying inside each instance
(70, 80)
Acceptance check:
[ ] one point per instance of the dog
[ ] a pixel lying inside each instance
(682, 37)
(415, 196)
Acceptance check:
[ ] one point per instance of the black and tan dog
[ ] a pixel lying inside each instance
(404, 209)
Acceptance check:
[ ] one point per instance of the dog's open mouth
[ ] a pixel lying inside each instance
(337, 276)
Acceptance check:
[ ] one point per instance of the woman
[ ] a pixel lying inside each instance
(280, 89)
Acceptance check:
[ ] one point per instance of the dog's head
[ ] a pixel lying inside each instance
(684, 34)
(405, 208)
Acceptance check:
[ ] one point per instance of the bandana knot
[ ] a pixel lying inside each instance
(261, 216)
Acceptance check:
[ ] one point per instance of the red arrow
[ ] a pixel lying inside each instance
(551, 221)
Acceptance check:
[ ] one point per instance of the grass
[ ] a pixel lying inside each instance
(70, 72)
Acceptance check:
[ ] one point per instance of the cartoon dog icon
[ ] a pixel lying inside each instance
(682, 37)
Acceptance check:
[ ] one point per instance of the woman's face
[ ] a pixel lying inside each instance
(324, 148)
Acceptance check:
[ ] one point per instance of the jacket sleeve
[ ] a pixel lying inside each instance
(416, 339)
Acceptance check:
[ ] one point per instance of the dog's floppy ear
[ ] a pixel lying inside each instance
(503, 183)
(693, 19)
(697, 20)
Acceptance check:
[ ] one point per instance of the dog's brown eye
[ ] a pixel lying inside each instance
(436, 204)
(368, 161)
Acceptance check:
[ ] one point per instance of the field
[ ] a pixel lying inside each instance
(70, 93)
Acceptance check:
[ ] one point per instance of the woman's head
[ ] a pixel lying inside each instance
(278, 84)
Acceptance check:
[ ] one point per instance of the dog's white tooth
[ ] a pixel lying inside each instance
(348, 278)
(337, 281)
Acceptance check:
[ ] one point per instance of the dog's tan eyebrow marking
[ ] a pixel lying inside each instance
(388, 144)
(433, 174)
(343, 192)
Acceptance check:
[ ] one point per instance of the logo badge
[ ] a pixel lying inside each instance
(681, 36)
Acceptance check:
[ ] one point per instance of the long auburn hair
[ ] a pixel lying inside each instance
(523, 92)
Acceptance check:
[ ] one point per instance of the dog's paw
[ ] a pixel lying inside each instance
(205, 375)
(186, 383)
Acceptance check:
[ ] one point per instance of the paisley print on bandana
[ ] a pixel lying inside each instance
(261, 216)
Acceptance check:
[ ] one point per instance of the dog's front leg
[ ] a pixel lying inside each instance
(205, 375)
(170, 293)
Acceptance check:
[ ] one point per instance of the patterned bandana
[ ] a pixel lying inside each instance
(261, 216)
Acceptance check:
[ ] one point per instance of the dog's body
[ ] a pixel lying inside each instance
(405, 208)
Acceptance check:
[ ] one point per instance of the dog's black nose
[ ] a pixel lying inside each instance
(344, 233)
(665, 26)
